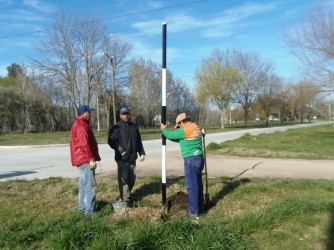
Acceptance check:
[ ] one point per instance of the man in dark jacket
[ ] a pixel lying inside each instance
(84, 154)
(125, 139)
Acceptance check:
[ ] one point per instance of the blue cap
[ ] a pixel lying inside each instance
(83, 109)
(124, 109)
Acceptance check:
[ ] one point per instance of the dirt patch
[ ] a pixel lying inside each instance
(178, 202)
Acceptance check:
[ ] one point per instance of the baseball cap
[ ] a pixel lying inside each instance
(180, 117)
(83, 109)
(124, 109)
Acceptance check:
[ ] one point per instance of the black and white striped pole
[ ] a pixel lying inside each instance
(163, 113)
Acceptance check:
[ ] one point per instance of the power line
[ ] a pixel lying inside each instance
(110, 18)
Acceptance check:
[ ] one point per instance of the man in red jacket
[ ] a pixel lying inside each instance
(84, 154)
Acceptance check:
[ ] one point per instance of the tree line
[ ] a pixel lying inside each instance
(79, 62)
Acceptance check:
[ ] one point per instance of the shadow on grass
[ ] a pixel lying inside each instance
(100, 205)
(153, 187)
(229, 186)
(330, 239)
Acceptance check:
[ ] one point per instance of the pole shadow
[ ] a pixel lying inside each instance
(154, 187)
(229, 186)
(330, 239)
(16, 174)
(20, 173)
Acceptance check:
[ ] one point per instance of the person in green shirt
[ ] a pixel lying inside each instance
(189, 135)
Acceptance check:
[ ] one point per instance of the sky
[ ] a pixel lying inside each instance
(194, 28)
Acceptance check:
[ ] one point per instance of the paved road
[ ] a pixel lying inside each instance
(39, 162)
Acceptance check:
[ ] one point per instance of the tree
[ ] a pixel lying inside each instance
(118, 49)
(71, 55)
(144, 81)
(217, 80)
(313, 43)
(283, 101)
(181, 98)
(14, 70)
(254, 72)
(268, 93)
(304, 96)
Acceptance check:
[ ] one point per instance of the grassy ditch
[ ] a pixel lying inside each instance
(302, 143)
(245, 214)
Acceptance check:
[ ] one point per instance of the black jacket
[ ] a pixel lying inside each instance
(125, 137)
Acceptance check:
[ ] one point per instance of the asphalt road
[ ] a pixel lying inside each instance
(40, 162)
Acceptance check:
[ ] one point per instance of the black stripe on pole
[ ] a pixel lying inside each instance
(164, 42)
(164, 121)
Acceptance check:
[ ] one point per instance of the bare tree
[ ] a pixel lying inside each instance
(117, 49)
(283, 101)
(313, 43)
(144, 81)
(268, 93)
(254, 73)
(304, 93)
(71, 53)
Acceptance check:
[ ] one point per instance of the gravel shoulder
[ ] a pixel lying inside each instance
(229, 166)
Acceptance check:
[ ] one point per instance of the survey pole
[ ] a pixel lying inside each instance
(163, 113)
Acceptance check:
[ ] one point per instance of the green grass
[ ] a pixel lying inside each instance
(45, 138)
(63, 137)
(246, 214)
(302, 143)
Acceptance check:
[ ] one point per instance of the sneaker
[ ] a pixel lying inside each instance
(194, 218)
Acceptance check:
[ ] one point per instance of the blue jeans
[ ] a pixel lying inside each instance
(193, 167)
(87, 186)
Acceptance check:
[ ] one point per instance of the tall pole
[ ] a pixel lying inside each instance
(98, 113)
(163, 113)
(113, 88)
(112, 63)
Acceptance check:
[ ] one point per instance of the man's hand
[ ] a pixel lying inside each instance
(121, 150)
(92, 164)
(162, 126)
(142, 158)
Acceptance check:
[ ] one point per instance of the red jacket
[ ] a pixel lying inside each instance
(83, 144)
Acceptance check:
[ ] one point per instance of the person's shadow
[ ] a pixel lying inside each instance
(153, 187)
(229, 185)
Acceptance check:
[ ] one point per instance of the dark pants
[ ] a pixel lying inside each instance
(193, 167)
(126, 178)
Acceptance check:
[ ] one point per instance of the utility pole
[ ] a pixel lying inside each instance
(112, 63)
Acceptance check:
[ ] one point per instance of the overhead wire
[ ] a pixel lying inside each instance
(201, 13)
(108, 18)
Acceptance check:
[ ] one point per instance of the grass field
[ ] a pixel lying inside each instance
(246, 213)
(63, 137)
(303, 143)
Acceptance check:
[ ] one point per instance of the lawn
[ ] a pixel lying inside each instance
(302, 143)
(246, 213)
